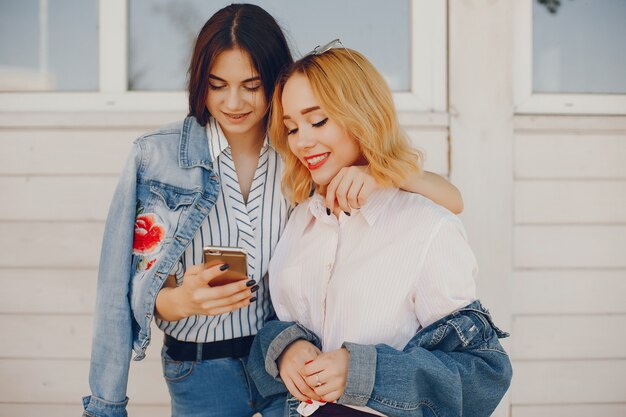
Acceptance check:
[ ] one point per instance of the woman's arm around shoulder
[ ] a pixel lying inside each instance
(435, 188)
(353, 185)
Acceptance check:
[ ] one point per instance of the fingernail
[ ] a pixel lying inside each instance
(255, 288)
(347, 213)
(308, 362)
(309, 401)
(322, 400)
(250, 283)
(224, 267)
(253, 299)
(327, 211)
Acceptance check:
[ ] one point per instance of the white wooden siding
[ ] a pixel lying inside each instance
(570, 202)
(569, 261)
(57, 175)
(65, 410)
(567, 291)
(578, 410)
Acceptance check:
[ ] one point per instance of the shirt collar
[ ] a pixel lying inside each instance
(372, 209)
(376, 204)
(218, 142)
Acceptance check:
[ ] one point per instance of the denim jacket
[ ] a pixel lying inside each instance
(164, 194)
(454, 367)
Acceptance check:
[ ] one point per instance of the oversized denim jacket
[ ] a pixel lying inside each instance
(164, 194)
(454, 367)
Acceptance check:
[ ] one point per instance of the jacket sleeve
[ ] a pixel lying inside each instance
(268, 345)
(113, 322)
(455, 367)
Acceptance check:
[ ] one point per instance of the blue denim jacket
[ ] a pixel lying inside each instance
(454, 367)
(166, 190)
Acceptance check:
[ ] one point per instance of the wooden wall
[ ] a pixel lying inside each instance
(569, 267)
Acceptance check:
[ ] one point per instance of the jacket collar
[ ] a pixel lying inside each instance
(200, 146)
(194, 145)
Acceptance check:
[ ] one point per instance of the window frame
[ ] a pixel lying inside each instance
(528, 102)
(428, 91)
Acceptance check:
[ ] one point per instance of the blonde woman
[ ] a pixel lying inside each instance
(378, 309)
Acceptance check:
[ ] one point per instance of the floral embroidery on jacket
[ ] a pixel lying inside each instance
(143, 263)
(149, 233)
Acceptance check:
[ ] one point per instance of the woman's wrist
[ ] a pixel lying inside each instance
(168, 307)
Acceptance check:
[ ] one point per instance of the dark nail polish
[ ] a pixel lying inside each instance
(224, 267)
(347, 213)
(255, 288)
(253, 299)
(250, 283)
(327, 211)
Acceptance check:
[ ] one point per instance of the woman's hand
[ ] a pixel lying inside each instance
(291, 364)
(328, 374)
(196, 296)
(350, 188)
(353, 185)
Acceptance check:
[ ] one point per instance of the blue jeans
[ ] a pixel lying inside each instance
(216, 388)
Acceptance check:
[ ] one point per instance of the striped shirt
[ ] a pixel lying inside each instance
(255, 226)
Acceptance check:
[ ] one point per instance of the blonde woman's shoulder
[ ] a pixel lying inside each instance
(419, 207)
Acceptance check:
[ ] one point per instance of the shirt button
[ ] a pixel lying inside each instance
(329, 266)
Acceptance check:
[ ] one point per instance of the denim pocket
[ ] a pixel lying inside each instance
(459, 332)
(170, 203)
(175, 370)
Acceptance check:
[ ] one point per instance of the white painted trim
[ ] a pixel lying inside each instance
(149, 119)
(575, 124)
(141, 101)
(428, 58)
(113, 46)
(128, 101)
(428, 70)
(528, 102)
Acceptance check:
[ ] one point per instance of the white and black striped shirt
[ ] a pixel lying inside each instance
(255, 226)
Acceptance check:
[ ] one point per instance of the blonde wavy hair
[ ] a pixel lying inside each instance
(354, 94)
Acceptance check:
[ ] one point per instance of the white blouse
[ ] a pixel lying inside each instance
(398, 264)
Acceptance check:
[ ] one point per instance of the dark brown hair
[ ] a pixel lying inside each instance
(244, 26)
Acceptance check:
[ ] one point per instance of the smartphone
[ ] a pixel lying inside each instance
(237, 258)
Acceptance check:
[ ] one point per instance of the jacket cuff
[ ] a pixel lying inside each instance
(361, 374)
(97, 407)
(280, 343)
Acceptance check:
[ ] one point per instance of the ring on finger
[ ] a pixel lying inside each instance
(319, 383)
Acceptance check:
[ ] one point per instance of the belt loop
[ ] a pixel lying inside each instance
(199, 349)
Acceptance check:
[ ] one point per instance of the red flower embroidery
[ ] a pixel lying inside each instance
(150, 264)
(148, 234)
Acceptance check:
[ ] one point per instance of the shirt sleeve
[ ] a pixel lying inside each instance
(446, 282)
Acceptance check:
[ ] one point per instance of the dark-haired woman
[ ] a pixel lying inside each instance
(212, 179)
